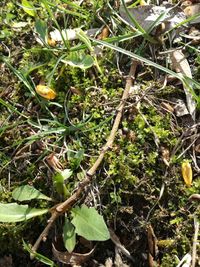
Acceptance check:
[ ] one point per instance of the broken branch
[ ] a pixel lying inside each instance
(67, 204)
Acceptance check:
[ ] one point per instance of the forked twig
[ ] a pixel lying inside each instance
(67, 204)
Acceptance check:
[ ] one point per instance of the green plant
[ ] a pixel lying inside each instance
(132, 184)
(85, 221)
(39, 256)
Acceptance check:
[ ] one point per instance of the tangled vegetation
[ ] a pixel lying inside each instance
(50, 139)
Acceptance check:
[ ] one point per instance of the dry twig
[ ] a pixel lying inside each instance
(67, 204)
(119, 246)
(195, 241)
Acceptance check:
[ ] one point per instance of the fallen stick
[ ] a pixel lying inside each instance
(195, 241)
(67, 204)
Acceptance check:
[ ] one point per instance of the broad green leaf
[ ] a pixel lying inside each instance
(79, 60)
(69, 236)
(41, 29)
(28, 7)
(27, 192)
(59, 181)
(89, 224)
(12, 212)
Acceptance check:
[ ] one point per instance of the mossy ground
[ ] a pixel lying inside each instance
(129, 182)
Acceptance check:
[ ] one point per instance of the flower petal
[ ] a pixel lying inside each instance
(187, 173)
(45, 91)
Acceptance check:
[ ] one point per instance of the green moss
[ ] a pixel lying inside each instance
(169, 260)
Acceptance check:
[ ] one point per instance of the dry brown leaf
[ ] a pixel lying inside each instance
(75, 90)
(186, 3)
(152, 244)
(187, 173)
(180, 108)
(194, 197)
(53, 162)
(167, 107)
(194, 32)
(181, 65)
(193, 35)
(191, 11)
(71, 258)
(131, 135)
(165, 155)
(104, 33)
(146, 15)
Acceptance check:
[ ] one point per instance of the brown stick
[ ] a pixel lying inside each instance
(195, 241)
(66, 205)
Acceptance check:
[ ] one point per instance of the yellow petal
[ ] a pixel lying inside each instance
(45, 91)
(51, 42)
(143, 3)
(187, 173)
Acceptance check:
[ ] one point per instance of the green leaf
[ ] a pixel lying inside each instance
(66, 174)
(59, 181)
(27, 192)
(38, 256)
(89, 224)
(84, 38)
(75, 158)
(41, 29)
(12, 212)
(28, 7)
(79, 60)
(69, 236)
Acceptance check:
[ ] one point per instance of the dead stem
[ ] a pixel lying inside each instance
(195, 241)
(67, 204)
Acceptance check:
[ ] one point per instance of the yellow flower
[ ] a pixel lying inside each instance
(143, 3)
(45, 91)
(187, 173)
(51, 42)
